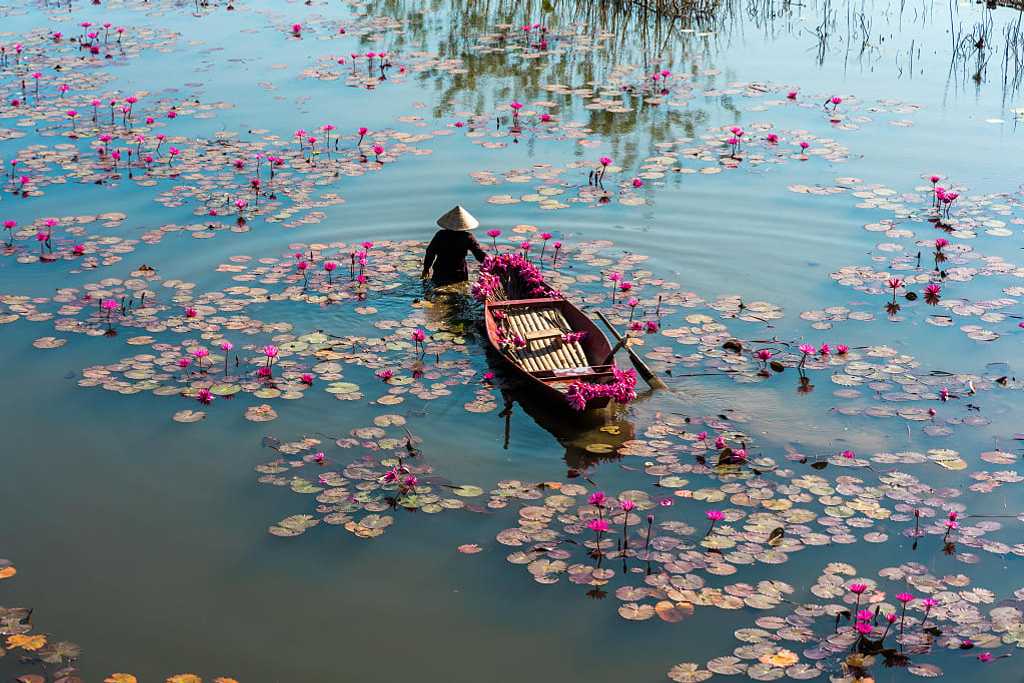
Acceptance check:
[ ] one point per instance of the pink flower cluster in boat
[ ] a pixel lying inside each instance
(508, 268)
(622, 390)
(486, 286)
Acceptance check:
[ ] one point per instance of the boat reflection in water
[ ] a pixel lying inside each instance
(592, 438)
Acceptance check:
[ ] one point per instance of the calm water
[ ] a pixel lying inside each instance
(145, 541)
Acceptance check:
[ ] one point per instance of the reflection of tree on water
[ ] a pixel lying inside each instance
(646, 39)
(685, 35)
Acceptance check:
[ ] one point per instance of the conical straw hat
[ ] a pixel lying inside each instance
(458, 219)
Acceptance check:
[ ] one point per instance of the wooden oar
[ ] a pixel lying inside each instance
(641, 367)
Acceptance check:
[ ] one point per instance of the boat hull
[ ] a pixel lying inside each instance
(545, 365)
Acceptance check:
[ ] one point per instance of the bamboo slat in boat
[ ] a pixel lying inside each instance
(534, 360)
(526, 317)
(522, 354)
(562, 350)
(554, 317)
(538, 348)
(549, 347)
(573, 349)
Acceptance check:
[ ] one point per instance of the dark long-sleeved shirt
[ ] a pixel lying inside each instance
(447, 254)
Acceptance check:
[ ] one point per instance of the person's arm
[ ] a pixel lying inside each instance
(478, 253)
(428, 258)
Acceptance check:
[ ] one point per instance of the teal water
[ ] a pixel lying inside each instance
(144, 540)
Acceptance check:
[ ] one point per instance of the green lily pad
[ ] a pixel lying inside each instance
(468, 491)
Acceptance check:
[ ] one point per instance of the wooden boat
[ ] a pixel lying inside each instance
(555, 356)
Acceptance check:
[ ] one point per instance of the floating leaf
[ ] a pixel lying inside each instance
(688, 672)
(189, 415)
(260, 413)
(468, 491)
(26, 642)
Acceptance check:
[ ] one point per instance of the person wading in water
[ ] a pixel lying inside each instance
(447, 251)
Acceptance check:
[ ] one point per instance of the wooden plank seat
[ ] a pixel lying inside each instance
(563, 379)
(538, 335)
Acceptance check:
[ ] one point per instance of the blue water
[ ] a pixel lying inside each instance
(145, 541)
